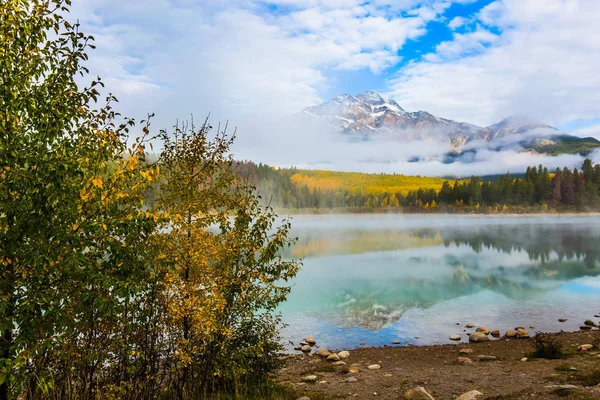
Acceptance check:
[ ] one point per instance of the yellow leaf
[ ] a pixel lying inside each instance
(97, 182)
(84, 195)
(132, 162)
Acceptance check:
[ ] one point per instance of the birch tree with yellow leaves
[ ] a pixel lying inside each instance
(224, 272)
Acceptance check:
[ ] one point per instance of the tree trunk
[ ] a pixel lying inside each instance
(186, 318)
(7, 335)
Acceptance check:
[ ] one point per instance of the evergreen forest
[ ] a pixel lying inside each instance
(538, 190)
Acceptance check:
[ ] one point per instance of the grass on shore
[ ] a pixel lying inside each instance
(266, 390)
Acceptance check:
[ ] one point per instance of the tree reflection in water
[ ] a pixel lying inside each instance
(556, 253)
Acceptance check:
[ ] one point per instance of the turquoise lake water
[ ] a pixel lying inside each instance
(372, 279)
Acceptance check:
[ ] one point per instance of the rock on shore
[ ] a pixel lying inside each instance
(510, 333)
(418, 393)
(478, 337)
(522, 333)
(472, 395)
(323, 353)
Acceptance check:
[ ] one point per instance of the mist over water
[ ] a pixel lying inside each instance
(377, 278)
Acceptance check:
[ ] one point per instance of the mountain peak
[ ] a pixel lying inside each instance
(344, 96)
(515, 124)
(518, 120)
(371, 114)
(371, 97)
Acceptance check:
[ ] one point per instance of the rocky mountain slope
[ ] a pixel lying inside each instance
(368, 115)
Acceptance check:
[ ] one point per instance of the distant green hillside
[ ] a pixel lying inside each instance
(566, 144)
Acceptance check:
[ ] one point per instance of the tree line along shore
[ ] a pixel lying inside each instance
(538, 190)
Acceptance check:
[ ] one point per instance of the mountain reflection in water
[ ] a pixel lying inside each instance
(364, 275)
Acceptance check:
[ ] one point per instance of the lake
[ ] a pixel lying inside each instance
(372, 279)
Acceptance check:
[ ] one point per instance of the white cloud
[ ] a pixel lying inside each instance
(457, 22)
(463, 44)
(313, 147)
(235, 57)
(544, 63)
(244, 63)
(592, 130)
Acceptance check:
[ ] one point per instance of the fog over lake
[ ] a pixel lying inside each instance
(377, 278)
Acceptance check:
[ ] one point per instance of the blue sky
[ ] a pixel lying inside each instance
(472, 60)
(436, 32)
(257, 62)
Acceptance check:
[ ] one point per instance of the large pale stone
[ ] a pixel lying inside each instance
(333, 357)
(522, 333)
(417, 393)
(464, 360)
(472, 395)
(483, 330)
(323, 353)
(510, 333)
(343, 354)
(478, 337)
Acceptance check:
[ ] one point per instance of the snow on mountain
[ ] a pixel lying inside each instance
(516, 124)
(370, 112)
(370, 115)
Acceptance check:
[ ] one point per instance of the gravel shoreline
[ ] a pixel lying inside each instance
(498, 369)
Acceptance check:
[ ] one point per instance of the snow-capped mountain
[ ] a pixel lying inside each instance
(369, 112)
(371, 115)
(515, 124)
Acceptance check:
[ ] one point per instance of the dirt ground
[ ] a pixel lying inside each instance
(437, 370)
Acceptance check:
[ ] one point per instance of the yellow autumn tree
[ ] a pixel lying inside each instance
(72, 229)
(120, 279)
(220, 258)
